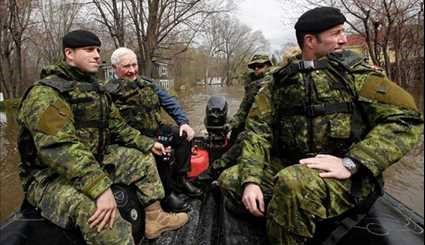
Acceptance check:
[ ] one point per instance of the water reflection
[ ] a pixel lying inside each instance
(10, 186)
(404, 180)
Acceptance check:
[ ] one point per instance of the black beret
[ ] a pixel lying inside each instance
(319, 19)
(80, 38)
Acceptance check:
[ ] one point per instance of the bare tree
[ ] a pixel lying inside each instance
(112, 16)
(235, 42)
(55, 19)
(220, 53)
(14, 21)
(212, 44)
(155, 25)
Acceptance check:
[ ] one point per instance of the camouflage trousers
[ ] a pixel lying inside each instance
(67, 207)
(230, 157)
(297, 199)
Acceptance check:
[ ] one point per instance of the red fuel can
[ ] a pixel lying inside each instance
(199, 162)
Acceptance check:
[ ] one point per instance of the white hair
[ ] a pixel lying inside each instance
(119, 53)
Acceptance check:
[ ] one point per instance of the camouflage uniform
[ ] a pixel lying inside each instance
(74, 145)
(252, 84)
(343, 108)
(140, 103)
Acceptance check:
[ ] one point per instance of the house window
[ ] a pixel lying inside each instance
(163, 70)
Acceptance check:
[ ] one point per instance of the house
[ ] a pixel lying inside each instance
(357, 42)
(160, 74)
(211, 81)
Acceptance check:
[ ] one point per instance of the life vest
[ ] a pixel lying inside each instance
(138, 103)
(90, 106)
(316, 109)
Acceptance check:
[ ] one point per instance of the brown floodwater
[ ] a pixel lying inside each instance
(404, 180)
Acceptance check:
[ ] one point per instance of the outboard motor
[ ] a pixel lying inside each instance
(206, 149)
(216, 116)
(217, 127)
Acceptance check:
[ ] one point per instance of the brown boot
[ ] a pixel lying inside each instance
(158, 221)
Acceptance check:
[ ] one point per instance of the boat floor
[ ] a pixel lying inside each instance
(387, 223)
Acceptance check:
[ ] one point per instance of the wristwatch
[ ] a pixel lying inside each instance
(350, 165)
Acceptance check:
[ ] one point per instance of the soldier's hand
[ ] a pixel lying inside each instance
(185, 128)
(329, 166)
(253, 199)
(106, 210)
(158, 149)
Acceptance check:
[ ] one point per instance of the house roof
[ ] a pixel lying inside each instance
(356, 40)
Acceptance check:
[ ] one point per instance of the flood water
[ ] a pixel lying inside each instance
(404, 180)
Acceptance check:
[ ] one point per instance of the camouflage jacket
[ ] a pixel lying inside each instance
(252, 83)
(343, 108)
(140, 103)
(70, 120)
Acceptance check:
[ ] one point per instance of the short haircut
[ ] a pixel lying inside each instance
(301, 35)
(119, 53)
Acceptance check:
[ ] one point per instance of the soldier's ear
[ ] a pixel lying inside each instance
(69, 53)
(309, 41)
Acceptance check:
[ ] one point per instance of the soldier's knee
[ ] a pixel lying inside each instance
(228, 178)
(295, 179)
(83, 210)
(119, 234)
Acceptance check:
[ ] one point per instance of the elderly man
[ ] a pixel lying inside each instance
(74, 145)
(140, 101)
(320, 134)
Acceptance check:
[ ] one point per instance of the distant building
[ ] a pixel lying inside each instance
(107, 71)
(160, 74)
(211, 81)
(357, 42)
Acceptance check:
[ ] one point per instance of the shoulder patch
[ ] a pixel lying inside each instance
(381, 89)
(54, 118)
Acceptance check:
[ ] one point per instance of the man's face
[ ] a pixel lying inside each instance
(87, 59)
(260, 68)
(127, 68)
(330, 41)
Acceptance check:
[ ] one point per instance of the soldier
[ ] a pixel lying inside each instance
(259, 65)
(140, 101)
(320, 134)
(74, 145)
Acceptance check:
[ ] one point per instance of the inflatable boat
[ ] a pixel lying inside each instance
(213, 221)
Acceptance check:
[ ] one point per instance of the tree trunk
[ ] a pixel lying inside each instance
(150, 44)
(19, 73)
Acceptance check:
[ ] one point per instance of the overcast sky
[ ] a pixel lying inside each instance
(270, 17)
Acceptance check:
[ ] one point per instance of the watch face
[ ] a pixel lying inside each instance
(349, 164)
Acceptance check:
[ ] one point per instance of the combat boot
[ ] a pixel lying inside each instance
(185, 186)
(157, 220)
